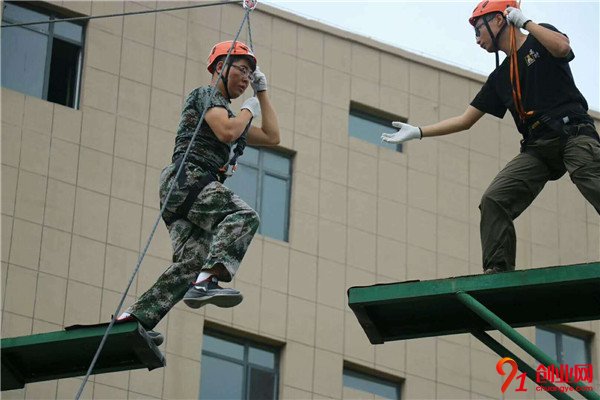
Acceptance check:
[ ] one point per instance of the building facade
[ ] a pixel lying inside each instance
(81, 155)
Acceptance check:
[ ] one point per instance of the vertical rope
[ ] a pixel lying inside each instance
(250, 35)
(240, 143)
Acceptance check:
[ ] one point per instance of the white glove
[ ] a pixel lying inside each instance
(407, 132)
(515, 17)
(259, 81)
(251, 104)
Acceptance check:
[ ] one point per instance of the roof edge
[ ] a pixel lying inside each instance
(369, 42)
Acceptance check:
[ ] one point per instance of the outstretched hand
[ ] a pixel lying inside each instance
(405, 133)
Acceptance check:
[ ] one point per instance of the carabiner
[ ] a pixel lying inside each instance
(250, 4)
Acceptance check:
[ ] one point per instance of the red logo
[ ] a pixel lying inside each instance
(547, 375)
(513, 371)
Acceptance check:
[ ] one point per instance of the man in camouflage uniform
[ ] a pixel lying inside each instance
(210, 227)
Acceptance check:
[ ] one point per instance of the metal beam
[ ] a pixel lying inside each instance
(518, 339)
(523, 366)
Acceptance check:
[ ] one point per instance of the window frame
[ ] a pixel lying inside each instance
(560, 332)
(374, 376)
(377, 116)
(262, 171)
(54, 14)
(246, 343)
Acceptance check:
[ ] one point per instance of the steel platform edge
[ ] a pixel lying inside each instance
(68, 353)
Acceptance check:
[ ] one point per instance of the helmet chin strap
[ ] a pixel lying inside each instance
(225, 80)
(495, 39)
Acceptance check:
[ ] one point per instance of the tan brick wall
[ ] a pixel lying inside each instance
(79, 198)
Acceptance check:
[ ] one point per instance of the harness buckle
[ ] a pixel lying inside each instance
(228, 170)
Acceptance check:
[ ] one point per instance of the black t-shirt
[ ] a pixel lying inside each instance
(546, 84)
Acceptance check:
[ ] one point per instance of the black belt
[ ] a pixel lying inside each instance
(211, 170)
(547, 127)
(183, 209)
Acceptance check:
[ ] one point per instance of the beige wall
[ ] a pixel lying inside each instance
(79, 197)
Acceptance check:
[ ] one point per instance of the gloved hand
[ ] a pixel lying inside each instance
(515, 17)
(407, 132)
(251, 104)
(259, 81)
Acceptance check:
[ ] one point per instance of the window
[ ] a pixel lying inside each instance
(380, 388)
(562, 347)
(263, 180)
(235, 369)
(368, 124)
(41, 60)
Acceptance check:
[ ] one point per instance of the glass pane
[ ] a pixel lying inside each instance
(62, 84)
(262, 385)
(24, 60)
(14, 14)
(366, 383)
(574, 350)
(244, 183)
(546, 341)
(276, 163)
(273, 215)
(370, 131)
(250, 156)
(221, 379)
(223, 347)
(261, 357)
(69, 30)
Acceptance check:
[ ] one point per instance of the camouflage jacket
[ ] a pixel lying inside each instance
(207, 151)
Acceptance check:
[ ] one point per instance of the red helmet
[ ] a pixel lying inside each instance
(491, 6)
(221, 49)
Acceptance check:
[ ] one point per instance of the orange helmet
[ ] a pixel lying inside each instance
(491, 6)
(221, 49)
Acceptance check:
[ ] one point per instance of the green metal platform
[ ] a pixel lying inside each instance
(68, 353)
(521, 298)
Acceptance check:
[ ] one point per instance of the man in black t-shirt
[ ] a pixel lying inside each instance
(536, 85)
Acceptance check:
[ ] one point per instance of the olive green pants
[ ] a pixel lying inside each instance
(523, 178)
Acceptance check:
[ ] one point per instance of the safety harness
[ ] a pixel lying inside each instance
(513, 62)
(515, 81)
(194, 190)
(556, 120)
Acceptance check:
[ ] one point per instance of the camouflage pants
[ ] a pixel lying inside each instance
(218, 230)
